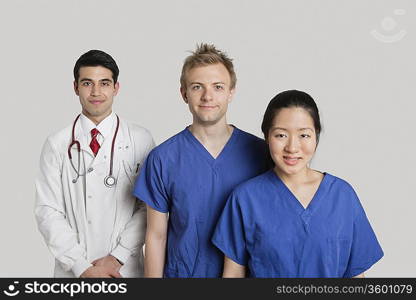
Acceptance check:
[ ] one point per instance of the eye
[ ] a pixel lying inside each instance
(195, 87)
(86, 83)
(280, 135)
(305, 135)
(106, 83)
(219, 87)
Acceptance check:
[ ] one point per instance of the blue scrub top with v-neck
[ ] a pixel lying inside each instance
(265, 227)
(180, 177)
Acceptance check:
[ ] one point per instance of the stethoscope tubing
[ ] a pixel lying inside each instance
(109, 180)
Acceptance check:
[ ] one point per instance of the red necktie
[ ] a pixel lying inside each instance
(94, 145)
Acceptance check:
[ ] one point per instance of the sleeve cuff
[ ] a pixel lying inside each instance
(229, 254)
(121, 253)
(151, 204)
(80, 266)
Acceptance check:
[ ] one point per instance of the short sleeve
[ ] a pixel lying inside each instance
(365, 249)
(229, 235)
(149, 186)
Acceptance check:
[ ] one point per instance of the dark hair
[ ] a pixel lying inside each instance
(287, 99)
(95, 58)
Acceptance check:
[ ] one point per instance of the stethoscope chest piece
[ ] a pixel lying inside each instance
(110, 181)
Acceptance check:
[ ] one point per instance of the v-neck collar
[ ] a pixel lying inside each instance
(291, 199)
(204, 152)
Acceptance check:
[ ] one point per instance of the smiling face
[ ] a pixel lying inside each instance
(292, 141)
(96, 90)
(207, 93)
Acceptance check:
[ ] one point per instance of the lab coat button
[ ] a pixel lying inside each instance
(89, 222)
(90, 170)
(89, 196)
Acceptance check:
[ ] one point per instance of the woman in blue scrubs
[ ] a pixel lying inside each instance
(293, 221)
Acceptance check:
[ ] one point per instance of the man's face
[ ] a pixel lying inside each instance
(96, 90)
(208, 93)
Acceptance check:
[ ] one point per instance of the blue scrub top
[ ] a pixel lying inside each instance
(264, 227)
(180, 177)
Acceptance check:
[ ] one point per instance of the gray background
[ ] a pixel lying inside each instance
(363, 86)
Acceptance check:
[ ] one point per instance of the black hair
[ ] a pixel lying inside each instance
(95, 58)
(287, 99)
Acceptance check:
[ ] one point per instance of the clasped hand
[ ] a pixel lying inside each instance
(104, 267)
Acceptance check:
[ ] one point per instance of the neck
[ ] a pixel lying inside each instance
(96, 119)
(294, 179)
(208, 133)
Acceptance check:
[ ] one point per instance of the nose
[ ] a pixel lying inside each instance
(207, 95)
(96, 90)
(292, 145)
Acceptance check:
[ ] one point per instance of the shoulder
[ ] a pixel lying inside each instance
(339, 183)
(252, 145)
(135, 130)
(172, 143)
(251, 195)
(59, 140)
(171, 147)
(342, 193)
(249, 138)
(254, 187)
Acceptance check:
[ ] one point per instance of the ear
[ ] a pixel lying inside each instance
(116, 88)
(183, 93)
(231, 96)
(76, 88)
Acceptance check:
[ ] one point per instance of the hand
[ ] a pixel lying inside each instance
(108, 261)
(100, 272)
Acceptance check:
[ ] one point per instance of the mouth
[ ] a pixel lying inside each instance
(291, 161)
(207, 106)
(96, 102)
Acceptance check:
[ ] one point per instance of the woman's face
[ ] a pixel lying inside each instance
(292, 140)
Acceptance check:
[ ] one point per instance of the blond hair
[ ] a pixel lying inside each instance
(206, 54)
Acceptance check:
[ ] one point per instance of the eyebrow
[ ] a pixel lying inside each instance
(88, 79)
(196, 82)
(300, 129)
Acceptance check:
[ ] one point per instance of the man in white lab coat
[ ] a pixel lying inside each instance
(85, 209)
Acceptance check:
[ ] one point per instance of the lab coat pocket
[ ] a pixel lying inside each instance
(339, 254)
(125, 182)
(129, 172)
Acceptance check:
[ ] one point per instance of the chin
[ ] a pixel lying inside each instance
(289, 170)
(210, 121)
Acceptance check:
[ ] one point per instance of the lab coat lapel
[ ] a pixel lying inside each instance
(104, 154)
(82, 137)
(85, 146)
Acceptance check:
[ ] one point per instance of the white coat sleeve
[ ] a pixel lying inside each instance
(50, 213)
(132, 237)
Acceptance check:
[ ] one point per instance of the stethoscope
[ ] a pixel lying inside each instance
(109, 180)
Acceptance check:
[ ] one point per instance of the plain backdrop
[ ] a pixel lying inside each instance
(356, 58)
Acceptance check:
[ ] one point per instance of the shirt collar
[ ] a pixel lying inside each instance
(104, 127)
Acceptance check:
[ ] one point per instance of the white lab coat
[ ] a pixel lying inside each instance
(63, 210)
